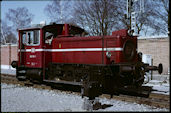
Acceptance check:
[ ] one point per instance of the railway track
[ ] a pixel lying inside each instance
(154, 99)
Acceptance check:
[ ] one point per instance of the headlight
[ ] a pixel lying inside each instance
(129, 50)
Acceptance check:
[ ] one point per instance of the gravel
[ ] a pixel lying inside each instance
(15, 98)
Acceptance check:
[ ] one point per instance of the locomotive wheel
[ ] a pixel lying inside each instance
(139, 75)
(139, 82)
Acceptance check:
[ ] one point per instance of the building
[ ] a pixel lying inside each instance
(8, 54)
(158, 48)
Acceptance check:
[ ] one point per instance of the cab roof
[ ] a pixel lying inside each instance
(39, 26)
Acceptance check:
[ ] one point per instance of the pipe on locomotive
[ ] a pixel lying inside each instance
(154, 68)
(146, 67)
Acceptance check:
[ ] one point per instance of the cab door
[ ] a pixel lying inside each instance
(47, 46)
(31, 49)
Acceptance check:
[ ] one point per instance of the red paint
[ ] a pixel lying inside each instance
(47, 55)
(122, 32)
(88, 57)
(30, 59)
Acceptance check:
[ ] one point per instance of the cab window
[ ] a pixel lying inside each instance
(31, 37)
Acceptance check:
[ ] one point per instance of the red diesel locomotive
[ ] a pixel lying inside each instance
(61, 54)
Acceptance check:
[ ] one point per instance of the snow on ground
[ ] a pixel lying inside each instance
(6, 69)
(15, 98)
(161, 86)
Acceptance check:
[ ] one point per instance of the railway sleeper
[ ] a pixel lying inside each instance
(134, 91)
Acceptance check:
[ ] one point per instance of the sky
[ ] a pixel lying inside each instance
(34, 7)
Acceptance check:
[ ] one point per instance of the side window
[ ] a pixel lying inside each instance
(48, 37)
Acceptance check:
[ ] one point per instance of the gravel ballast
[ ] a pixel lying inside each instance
(15, 98)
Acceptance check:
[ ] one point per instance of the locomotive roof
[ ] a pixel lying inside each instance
(30, 28)
(73, 27)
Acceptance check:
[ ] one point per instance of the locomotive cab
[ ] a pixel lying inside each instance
(33, 45)
(29, 53)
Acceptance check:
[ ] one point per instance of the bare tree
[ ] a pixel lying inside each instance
(143, 19)
(101, 17)
(11, 38)
(98, 16)
(59, 11)
(5, 30)
(6, 34)
(153, 19)
(159, 16)
(19, 17)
